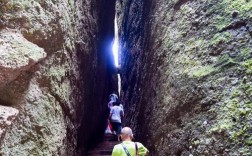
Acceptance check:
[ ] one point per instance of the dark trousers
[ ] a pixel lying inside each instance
(117, 127)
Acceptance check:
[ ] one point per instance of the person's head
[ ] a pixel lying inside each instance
(113, 97)
(126, 134)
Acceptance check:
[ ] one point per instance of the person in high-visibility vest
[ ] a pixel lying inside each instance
(127, 147)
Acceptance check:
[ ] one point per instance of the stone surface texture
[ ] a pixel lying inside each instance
(7, 115)
(187, 75)
(51, 75)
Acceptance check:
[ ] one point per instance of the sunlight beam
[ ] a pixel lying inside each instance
(115, 48)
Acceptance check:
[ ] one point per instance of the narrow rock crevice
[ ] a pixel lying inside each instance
(185, 72)
(95, 112)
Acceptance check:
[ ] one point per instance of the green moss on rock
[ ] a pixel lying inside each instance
(234, 119)
(248, 66)
(243, 6)
(220, 38)
(202, 71)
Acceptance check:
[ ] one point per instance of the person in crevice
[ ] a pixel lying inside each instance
(127, 147)
(112, 98)
(116, 116)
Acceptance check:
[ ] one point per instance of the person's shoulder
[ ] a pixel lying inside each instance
(139, 143)
(117, 147)
(116, 150)
(117, 107)
(113, 107)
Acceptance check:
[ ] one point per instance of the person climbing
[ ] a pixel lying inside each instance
(127, 147)
(112, 98)
(116, 115)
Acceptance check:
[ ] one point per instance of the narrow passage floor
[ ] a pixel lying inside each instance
(105, 147)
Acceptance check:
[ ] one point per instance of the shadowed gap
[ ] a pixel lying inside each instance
(95, 114)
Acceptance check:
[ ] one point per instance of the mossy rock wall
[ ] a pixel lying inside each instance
(51, 76)
(186, 74)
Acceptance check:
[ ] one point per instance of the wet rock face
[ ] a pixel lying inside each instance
(186, 75)
(51, 75)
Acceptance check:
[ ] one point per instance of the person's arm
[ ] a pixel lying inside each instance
(142, 150)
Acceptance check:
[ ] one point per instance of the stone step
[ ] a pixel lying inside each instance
(105, 147)
(108, 152)
(110, 137)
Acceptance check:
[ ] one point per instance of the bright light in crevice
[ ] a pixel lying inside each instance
(116, 45)
(116, 53)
